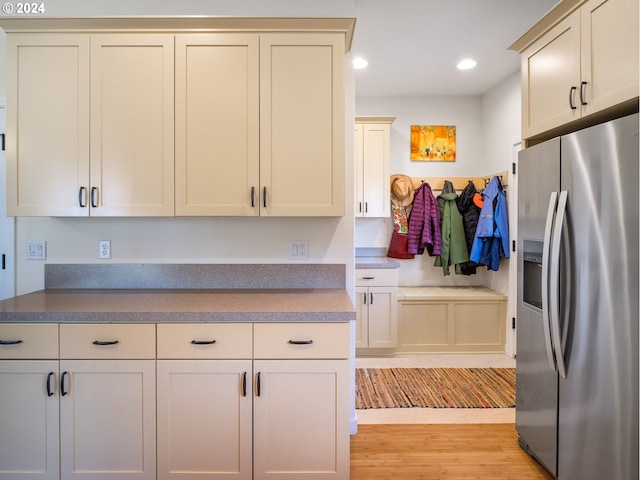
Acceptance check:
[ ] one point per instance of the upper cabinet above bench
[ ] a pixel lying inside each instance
(258, 126)
(581, 59)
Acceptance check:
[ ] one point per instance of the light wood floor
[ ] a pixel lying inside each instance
(441, 452)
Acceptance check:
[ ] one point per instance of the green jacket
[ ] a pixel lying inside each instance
(454, 244)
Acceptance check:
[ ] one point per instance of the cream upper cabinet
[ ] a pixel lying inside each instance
(609, 62)
(584, 63)
(197, 121)
(90, 125)
(217, 124)
(372, 166)
(132, 125)
(302, 125)
(259, 125)
(550, 78)
(47, 140)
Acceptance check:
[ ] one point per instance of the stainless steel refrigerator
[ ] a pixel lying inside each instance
(577, 319)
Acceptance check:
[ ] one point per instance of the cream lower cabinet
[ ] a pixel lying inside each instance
(204, 399)
(29, 402)
(281, 415)
(301, 401)
(376, 308)
(107, 402)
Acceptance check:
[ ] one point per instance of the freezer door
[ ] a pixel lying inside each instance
(598, 416)
(536, 381)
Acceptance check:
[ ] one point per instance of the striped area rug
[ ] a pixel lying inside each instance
(435, 387)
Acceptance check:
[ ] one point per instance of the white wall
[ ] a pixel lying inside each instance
(192, 240)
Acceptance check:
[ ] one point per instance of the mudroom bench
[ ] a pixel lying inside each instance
(451, 320)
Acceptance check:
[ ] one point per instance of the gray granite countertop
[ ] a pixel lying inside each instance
(172, 305)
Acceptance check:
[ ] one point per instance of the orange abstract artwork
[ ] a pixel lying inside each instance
(433, 143)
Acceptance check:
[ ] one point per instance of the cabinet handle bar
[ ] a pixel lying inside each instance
(10, 342)
(63, 392)
(572, 91)
(203, 342)
(102, 343)
(300, 342)
(49, 391)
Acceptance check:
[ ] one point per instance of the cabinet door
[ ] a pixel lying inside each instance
(132, 135)
(383, 314)
(359, 171)
(551, 78)
(376, 170)
(609, 42)
(217, 125)
(301, 419)
(302, 125)
(362, 317)
(29, 424)
(47, 124)
(204, 419)
(108, 419)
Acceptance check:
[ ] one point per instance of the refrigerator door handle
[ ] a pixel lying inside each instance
(554, 291)
(546, 252)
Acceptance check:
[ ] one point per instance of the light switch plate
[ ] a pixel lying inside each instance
(37, 250)
(299, 250)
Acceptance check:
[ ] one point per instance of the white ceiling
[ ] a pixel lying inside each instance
(413, 46)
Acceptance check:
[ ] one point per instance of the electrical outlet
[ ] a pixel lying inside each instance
(298, 250)
(105, 249)
(37, 250)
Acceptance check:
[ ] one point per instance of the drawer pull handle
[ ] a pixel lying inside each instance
(10, 342)
(368, 278)
(203, 342)
(49, 377)
(63, 392)
(300, 342)
(244, 384)
(258, 384)
(101, 343)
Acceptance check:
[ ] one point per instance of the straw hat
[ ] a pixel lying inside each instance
(402, 190)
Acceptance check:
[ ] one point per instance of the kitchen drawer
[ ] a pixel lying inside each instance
(205, 340)
(108, 341)
(36, 341)
(376, 277)
(300, 340)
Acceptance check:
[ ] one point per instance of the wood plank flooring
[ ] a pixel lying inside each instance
(441, 452)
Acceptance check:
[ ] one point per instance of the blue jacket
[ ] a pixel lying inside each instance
(491, 241)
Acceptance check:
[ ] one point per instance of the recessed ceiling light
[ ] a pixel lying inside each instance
(466, 64)
(359, 63)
